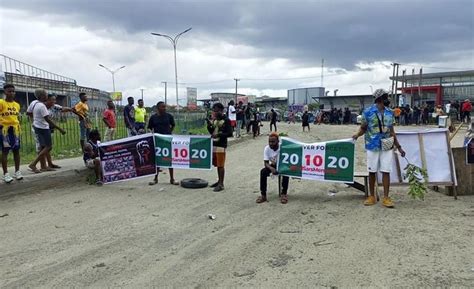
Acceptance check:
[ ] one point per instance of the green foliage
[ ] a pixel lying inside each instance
(313, 106)
(417, 179)
(283, 134)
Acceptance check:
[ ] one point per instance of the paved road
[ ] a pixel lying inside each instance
(133, 235)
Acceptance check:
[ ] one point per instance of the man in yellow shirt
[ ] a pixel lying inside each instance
(140, 117)
(82, 111)
(10, 132)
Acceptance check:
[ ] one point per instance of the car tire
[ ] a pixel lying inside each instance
(193, 183)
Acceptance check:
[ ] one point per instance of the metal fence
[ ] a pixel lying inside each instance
(68, 145)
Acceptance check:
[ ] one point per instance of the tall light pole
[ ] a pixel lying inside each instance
(174, 42)
(142, 89)
(113, 75)
(166, 92)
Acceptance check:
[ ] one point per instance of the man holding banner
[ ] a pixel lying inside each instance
(163, 123)
(270, 160)
(380, 139)
(220, 129)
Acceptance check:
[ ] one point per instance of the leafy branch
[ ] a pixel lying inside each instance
(417, 179)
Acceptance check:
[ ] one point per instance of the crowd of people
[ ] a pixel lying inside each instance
(421, 115)
(377, 125)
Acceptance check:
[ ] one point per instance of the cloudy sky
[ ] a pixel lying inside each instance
(271, 46)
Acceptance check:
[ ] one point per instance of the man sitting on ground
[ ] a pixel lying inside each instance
(270, 160)
(91, 155)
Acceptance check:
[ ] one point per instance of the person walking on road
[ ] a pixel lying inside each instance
(163, 123)
(240, 118)
(273, 119)
(10, 132)
(466, 111)
(378, 127)
(270, 160)
(305, 120)
(232, 115)
(220, 129)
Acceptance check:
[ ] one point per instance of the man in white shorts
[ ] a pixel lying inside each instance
(378, 126)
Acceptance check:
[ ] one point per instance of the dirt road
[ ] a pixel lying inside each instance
(133, 235)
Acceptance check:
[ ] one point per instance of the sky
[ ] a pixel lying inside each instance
(271, 46)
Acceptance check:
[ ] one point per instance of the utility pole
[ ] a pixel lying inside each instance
(322, 71)
(142, 89)
(166, 97)
(396, 83)
(236, 81)
(419, 85)
(393, 92)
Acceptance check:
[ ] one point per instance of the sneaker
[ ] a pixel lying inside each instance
(214, 185)
(261, 199)
(7, 178)
(218, 188)
(370, 201)
(18, 176)
(387, 202)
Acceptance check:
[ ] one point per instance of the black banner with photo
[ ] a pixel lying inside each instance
(127, 158)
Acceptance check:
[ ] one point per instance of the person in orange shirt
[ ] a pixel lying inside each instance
(82, 111)
(10, 132)
(396, 113)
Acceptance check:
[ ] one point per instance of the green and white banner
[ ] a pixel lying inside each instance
(183, 151)
(326, 161)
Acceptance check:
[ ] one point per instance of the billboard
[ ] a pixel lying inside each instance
(191, 93)
(116, 96)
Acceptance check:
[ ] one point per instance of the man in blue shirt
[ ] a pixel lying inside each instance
(378, 126)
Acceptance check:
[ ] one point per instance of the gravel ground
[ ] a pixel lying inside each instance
(134, 235)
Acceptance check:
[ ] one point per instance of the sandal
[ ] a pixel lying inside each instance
(284, 199)
(173, 182)
(154, 182)
(261, 199)
(47, 169)
(34, 169)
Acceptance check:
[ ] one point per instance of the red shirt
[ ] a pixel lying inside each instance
(466, 106)
(109, 115)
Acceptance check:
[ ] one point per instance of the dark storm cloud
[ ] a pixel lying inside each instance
(343, 32)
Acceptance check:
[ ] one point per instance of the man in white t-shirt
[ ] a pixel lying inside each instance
(232, 115)
(42, 125)
(42, 96)
(270, 160)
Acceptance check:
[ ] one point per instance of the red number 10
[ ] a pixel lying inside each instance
(182, 152)
(317, 160)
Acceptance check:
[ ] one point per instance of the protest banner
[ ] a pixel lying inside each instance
(127, 158)
(183, 151)
(326, 161)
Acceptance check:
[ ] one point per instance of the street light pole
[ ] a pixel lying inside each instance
(142, 89)
(174, 42)
(112, 72)
(166, 92)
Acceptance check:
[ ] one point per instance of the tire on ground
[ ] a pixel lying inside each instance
(193, 183)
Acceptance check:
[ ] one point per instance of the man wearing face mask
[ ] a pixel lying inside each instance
(378, 127)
